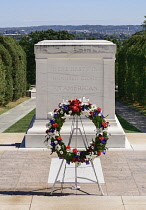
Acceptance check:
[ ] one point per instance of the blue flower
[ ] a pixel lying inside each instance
(53, 144)
(104, 152)
(65, 107)
(55, 115)
(87, 162)
(68, 162)
(95, 113)
(103, 116)
(52, 121)
(103, 141)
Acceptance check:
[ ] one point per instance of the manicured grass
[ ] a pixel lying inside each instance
(22, 125)
(128, 128)
(12, 104)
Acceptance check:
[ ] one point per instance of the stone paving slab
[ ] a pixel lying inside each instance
(134, 117)
(22, 202)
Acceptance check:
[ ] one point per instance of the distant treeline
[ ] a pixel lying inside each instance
(12, 70)
(129, 29)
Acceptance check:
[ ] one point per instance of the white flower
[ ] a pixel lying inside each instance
(67, 116)
(61, 152)
(56, 142)
(88, 156)
(93, 106)
(85, 101)
(61, 112)
(56, 133)
(78, 153)
(85, 113)
(70, 112)
(92, 147)
(58, 147)
(94, 156)
(50, 114)
(99, 114)
(78, 163)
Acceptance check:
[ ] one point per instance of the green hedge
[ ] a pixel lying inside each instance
(132, 69)
(13, 66)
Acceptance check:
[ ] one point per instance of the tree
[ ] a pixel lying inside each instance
(132, 69)
(144, 24)
(28, 42)
(12, 69)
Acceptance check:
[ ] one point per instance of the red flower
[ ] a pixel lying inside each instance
(104, 124)
(74, 159)
(55, 125)
(99, 153)
(75, 102)
(55, 110)
(47, 131)
(90, 149)
(59, 138)
(75, 108)
(101, 137)
(91, 113)
(75, 150)
(68, 147)
(99, 109)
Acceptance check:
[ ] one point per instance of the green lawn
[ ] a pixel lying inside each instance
(128, 128)
(21, 126)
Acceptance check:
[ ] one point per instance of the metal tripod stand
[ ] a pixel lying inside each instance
(75, 129)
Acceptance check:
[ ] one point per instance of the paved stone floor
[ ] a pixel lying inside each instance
(26, 172)
(24, 179)
(135, 118)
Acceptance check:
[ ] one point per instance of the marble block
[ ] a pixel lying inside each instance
(84, 171)
(73, 69)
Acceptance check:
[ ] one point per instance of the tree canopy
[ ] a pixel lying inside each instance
(12, 70)
(132, 69)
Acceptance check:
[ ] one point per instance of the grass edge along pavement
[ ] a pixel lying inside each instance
(22, 125)
(12, 104)
(128, 128)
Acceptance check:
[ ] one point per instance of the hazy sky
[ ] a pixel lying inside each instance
(71, 12)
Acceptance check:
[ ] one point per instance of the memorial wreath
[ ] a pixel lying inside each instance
(77, 108)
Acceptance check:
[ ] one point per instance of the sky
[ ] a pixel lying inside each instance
(17, 13)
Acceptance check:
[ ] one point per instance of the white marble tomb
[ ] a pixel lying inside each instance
(70, 69)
